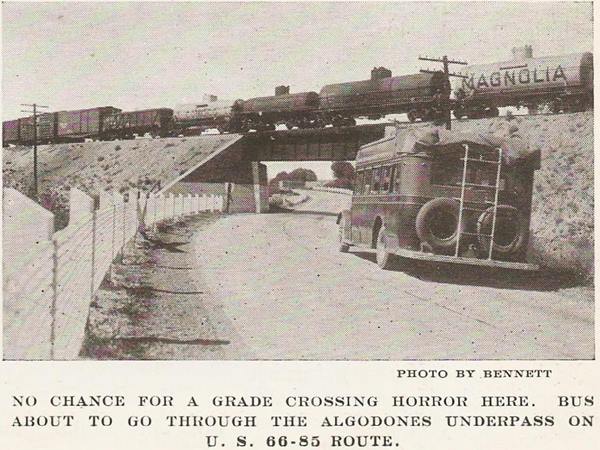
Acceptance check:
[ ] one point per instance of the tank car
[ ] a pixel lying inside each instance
(419, 95)
(209, 113)
(264, 113)
(565, 83)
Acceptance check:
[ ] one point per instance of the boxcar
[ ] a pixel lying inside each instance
(26, 130)
(441, 196)
(46, 127)
(157, 122)
(10, 132)
(81, 124)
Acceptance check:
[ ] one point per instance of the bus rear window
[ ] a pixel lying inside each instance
(449, 172)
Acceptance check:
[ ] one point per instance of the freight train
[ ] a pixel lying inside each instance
(418, 95)
(565, 83)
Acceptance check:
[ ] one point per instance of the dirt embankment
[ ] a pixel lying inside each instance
(562, 222)
(104, 166)
(150, 306)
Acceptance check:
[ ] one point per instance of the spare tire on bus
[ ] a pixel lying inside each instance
(437, 224)
(510, 236)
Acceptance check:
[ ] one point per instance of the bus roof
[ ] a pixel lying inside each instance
(435, 141)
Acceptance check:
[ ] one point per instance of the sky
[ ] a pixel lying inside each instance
(142, 55)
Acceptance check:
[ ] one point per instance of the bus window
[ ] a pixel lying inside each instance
(367, 182)
(376, 180)
(396, 180)
(386, 173)
(359, 184)
(449, 172)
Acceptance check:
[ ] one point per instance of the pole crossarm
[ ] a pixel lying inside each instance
(443, 59)
(445, 104)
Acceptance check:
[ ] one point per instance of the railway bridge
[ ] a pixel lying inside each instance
(236, 170)
(315, 144)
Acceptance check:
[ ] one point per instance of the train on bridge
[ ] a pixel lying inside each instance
(564, 83)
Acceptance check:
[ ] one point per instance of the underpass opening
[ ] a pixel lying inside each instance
(316, 187)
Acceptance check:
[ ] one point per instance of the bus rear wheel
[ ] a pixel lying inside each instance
(385, 259)
(437, 224)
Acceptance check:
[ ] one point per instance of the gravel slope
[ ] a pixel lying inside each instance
(105, 166)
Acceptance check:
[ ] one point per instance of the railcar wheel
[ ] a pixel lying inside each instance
(493, 112)
(437, 224)
(510, 236)
(385, 259)
(459, 113)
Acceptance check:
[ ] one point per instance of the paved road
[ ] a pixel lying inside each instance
(280, 290)
(322, 201)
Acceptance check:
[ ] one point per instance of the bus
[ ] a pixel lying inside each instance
(442, 196)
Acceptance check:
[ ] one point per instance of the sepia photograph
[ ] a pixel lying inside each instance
(298, 181)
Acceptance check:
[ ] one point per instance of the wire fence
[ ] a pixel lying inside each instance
(47, 297)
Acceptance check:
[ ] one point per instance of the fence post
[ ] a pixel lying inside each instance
(112, 244)
(54, 296)
(92, 289)
(155, 203)
(124, 224)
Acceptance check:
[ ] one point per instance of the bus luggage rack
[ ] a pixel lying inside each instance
(496, 188)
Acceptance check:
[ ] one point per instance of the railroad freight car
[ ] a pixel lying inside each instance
(209, 113)
(10, 132)
(564, 83)
(125, 125)
(419, 95)
(264, 113)
(26, 130)
(80, 124)
(46, 128)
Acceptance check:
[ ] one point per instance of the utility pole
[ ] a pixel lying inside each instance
(446, 94)
(35, 107)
